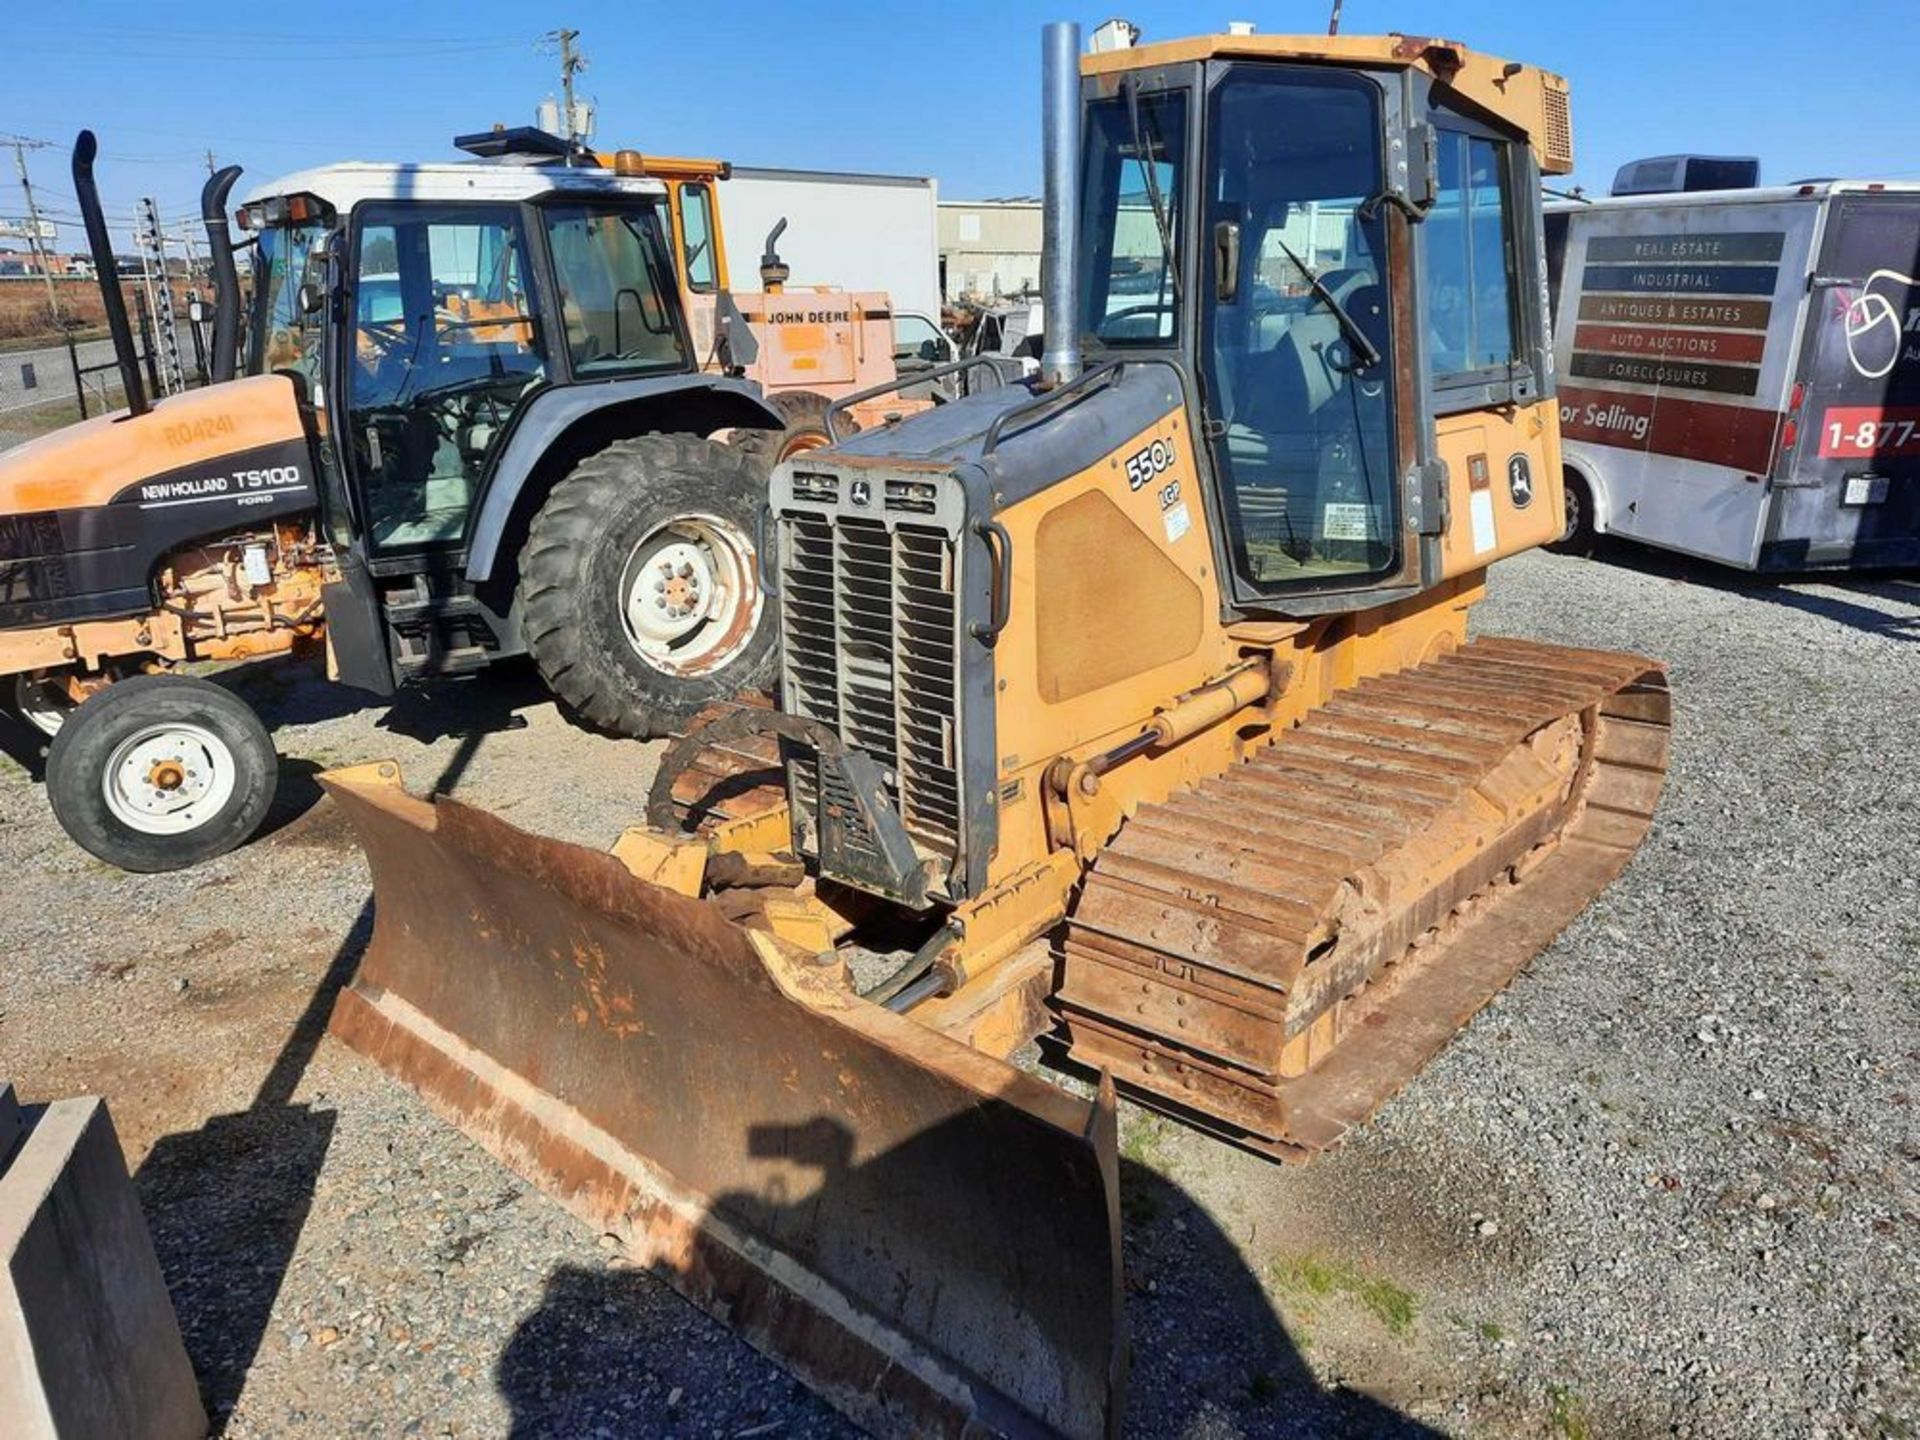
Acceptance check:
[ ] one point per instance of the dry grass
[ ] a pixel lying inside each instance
(24, 313)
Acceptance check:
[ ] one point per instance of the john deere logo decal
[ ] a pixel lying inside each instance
(1520, 482)
(862, 493)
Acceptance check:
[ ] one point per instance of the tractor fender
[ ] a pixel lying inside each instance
(560, 426)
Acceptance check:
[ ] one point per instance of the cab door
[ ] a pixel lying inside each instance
(1848, 492)
(443, 333)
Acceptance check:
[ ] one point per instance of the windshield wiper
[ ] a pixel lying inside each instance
(1152, 177)
(1363, 348)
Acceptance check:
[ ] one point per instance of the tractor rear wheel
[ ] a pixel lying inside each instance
(160, 772)
(639, 589)
(805, 414)
(41, 702)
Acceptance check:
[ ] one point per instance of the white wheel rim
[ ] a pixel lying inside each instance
(168, 779)
(43, 704)
(689, 597)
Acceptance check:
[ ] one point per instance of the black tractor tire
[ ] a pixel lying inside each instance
(1578, 536)
(591, 571)
(805, 414)
(210, 773)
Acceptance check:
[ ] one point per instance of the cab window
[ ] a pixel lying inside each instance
(1472, 314)
(619, 305)
(444, 349)
(282, 338)
(1131, 219)
(1296, 349)
(918, 341)
(696, 237)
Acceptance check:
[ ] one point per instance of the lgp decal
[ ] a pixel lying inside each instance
(1520, 481)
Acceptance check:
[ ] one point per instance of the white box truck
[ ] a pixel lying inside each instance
(1739, 372)
(859, 232)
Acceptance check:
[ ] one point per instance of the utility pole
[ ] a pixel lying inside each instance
(209, 160)
(20, 146)
(571, 63)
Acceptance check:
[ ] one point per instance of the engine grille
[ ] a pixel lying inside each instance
(870, 634)
(1557, 116)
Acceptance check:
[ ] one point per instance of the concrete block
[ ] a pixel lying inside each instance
(89, 1345)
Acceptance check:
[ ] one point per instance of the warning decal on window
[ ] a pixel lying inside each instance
(1347, 521)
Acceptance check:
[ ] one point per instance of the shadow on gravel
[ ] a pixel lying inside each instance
(293, 690)
(23, 745)
(1779, 589)
(226, 1202)
(477, 705)
(1209, 1355)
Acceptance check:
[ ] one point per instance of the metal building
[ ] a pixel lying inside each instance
(989, 248)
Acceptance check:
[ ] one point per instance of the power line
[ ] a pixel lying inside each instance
(302, 40)
(204, 51)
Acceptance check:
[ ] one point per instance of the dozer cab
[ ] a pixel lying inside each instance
(1132, 709)
(471, 422)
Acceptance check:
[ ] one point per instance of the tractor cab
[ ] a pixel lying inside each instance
(439, 299)
(461, 334)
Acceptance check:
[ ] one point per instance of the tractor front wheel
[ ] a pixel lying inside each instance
(160, 772)
(639, 590)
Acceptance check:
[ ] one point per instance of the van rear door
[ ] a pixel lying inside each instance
(1676, 360)
(1848, 493)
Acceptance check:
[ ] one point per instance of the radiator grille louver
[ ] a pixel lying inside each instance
(1556, 145)
(870, 636)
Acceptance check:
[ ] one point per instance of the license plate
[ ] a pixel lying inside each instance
(1865, 490)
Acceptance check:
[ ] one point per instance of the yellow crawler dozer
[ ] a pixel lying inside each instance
(1131, 709)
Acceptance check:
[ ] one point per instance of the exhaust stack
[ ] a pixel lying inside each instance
(1060, 241)
(100, 243)
(226, 278)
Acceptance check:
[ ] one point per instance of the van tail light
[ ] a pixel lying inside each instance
(1789, 427)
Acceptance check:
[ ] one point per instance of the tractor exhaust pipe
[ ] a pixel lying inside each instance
(1060, 240)
(100, 243)
(226, 278)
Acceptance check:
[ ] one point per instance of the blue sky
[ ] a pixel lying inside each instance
(948, 90)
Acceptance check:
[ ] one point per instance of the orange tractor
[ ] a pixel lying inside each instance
(481, 413)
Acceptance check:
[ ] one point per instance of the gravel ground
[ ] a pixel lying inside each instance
(1666, 1185)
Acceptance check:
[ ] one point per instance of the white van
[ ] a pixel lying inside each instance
(1740, 372)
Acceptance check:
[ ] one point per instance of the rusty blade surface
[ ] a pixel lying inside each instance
(923, 1234)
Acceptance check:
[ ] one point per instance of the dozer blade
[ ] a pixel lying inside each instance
(924, 1235)
(1272, 955)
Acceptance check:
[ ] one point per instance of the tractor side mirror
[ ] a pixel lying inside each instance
(310, 298)
(1226, 261)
